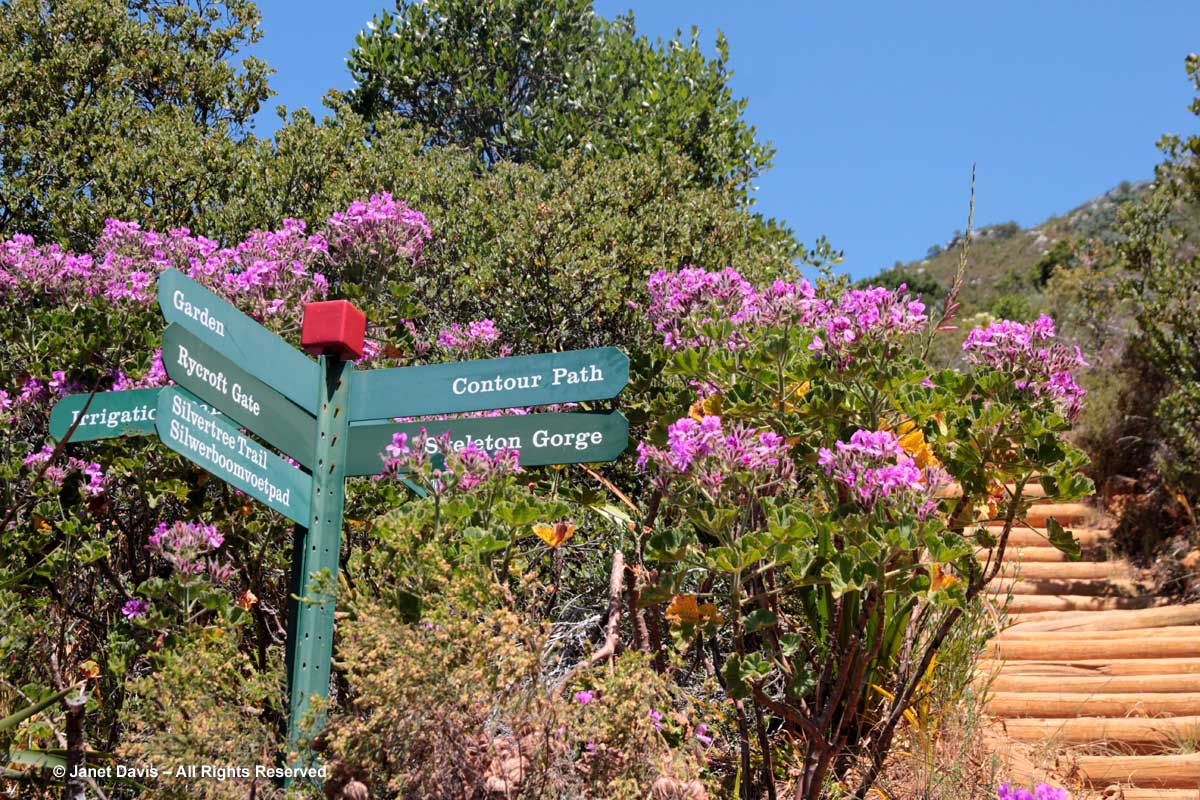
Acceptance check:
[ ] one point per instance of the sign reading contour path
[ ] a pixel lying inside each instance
(569, 377)
(186, 426)
(540, 438)
(238, 337)
(110, 414)
(233, 391)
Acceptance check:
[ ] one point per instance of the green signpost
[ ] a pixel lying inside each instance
(336, 423)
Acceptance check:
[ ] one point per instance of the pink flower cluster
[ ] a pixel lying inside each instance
(683, 302)
(378, 228)
(465, 469)
(714, 455)
(268, 274)
(188, 548)
(875, 468)
(874, 313)
(1028, 353)
(93, 475)
(1043, 791)
(474, 338)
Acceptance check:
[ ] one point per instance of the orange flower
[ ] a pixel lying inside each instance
(940, 579)
(555, 534)
(686, 609)
(246, 599)
(795, 392)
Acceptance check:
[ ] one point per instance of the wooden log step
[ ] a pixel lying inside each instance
(1149, 648)
(1148, 772)
(1033, 554)
(1099, 684)
(1033, 489)
(1093, 587)
(1044, 705)
(1172, 632)
(1073, 570)
(1067, 514)
(1118, 620)
(1025, 603)
(1093, 666)
(1025, 537)
(1086, 730)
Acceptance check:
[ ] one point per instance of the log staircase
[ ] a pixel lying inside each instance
(1095, 667)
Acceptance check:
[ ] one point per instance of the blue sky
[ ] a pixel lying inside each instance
(877, 110)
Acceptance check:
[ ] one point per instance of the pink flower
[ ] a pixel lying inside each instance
(134, 609)
(584, 697)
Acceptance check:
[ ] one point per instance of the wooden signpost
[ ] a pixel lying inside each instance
(335, 422)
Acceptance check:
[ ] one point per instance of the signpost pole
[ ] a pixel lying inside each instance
(317, 548)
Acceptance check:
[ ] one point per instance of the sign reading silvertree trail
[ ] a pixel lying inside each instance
(185, 426)
(336, 422)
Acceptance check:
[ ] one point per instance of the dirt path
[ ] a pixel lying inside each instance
(1094, 667)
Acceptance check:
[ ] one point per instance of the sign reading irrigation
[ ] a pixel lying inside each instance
(108, 415)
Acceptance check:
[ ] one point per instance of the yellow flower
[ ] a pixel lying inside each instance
(686, 609)
(912, 441)
(794, 393)
(706, 407)
(555, 534)
(940, 579)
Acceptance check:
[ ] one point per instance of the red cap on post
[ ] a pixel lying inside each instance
(333, 327)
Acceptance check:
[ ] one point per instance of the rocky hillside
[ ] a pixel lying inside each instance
(1009, 266)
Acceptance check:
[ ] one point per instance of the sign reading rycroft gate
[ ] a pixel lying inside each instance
(232, 371)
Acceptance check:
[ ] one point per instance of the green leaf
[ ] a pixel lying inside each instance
(1063, 539)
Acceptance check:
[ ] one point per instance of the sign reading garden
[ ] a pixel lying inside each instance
(238, 383)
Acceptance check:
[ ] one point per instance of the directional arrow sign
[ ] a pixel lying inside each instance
(540, 438)
(188, 428)
(237, 336)
(110, 414)
(572, 376)
(233, 391)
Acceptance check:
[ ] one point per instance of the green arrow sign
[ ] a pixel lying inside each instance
(223, 384)
(540, 438)
(186, 426)
(573, 376)
(110, 414)
(240, 338)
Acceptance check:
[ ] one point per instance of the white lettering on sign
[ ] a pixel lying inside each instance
(580, 440)
(496, 384)
(111, 419)
(200, 314)
(489, 443)
(560, 376)
(587, 374)
(218, 381)
(189, 427)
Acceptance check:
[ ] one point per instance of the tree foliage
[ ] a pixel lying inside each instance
(531, 81)
(127, 110)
